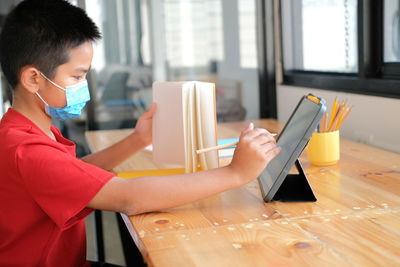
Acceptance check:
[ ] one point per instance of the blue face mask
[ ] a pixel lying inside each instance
(77, 96)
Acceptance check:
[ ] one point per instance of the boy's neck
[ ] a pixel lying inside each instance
(30, 107)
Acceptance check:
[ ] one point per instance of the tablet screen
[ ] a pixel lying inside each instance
(294, 132)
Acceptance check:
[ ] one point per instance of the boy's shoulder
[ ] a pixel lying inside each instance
(14, 123)
(17, 130)
(25, 144)
(14, 126)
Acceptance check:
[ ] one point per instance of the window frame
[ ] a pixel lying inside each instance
(374, 77)
(266, 58)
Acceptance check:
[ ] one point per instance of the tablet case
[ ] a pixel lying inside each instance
(295, 187)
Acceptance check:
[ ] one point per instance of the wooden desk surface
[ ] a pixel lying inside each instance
(355, 222)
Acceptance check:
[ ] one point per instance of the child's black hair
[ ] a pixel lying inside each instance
(41, 33)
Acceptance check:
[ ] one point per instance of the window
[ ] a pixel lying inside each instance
(247, 33)
(391, 39)
(121, 75)
(321, 35)
(125, 32)
(193, 31)
(342, 45)
(391, 31)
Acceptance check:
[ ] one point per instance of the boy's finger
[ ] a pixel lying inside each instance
(150, 112)
(264, 138)
(272, 153)
(249, 128)
(256, 132)
(268, 147)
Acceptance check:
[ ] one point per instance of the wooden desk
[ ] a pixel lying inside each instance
(355, 222)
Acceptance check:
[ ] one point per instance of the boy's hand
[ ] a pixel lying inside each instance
(256, 148)
(143, 129)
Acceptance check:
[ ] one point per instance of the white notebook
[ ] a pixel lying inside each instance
(184, 122)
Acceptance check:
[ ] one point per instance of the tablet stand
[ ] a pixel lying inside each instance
(295, 187)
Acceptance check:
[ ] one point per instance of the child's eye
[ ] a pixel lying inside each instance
(77, 78)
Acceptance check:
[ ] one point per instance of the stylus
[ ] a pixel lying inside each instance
(220, 146)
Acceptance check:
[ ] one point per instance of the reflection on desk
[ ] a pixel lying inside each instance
(354, 222)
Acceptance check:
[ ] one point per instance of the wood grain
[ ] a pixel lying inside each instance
(355, 221)
(273, 243)
(356, 239)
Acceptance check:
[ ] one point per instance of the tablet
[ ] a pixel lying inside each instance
(293, 138)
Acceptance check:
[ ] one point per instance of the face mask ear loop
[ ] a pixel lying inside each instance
(53, 83)
(41, 98)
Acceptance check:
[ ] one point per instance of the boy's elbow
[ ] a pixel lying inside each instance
(132, 208)
(134, 200)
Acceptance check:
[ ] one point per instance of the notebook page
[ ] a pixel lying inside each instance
(168, 130)
(189, 111)
(206, 124)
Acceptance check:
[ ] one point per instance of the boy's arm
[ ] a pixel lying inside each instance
(114, 155)
(255, 150)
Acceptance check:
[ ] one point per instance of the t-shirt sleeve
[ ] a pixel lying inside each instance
(60, 184)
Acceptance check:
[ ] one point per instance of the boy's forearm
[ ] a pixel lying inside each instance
(114, 155)
(147, 194)
(255, 150)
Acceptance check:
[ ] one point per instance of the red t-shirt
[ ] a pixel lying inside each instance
(44, 190)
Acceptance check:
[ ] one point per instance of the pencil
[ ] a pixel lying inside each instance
(345, 115)
(333, 113)
(324, 121)
(341, 116)
(336, 117)
(220, 146)
(216, 147)
(320, 127)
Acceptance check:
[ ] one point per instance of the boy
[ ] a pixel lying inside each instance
(45, 191)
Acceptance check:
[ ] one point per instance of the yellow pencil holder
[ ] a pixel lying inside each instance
(324, 148)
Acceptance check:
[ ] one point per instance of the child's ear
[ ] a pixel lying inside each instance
(30, 78)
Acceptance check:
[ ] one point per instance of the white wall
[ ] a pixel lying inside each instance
(374, 120)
